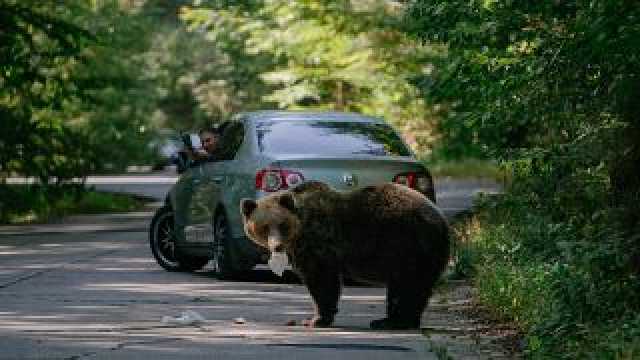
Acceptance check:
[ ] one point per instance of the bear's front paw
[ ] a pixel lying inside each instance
(317, 321)
(393, 324)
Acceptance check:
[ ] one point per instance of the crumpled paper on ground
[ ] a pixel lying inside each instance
(188, 317)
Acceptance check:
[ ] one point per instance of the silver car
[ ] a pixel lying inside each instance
(263, 152)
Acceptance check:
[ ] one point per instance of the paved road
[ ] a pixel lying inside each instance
(101, 296)
(98, 294)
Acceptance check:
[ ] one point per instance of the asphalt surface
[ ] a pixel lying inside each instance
(88, 288)
(101, 296)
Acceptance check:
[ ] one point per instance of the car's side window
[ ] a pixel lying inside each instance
(231, 140)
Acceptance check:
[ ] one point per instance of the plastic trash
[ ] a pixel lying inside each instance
(278, 262)
(188, 317)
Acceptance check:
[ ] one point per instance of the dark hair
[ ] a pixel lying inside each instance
(211, 130)
(222, 126)
(216, 129)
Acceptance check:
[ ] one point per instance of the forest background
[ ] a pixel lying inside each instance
(547, 89)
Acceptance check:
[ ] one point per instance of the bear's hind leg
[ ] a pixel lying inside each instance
(406, 301)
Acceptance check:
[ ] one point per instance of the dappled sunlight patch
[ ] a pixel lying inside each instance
(128, 260)
(149, 288)
(264, 299)
(37, 266)
(119, 324)
(40, 326)
(93, 309)
(21, 252)
(262, 331)
(97, 301)
(364, 299)
(127, 269)
(201, 292)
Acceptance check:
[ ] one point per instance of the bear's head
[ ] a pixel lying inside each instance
(271, 221)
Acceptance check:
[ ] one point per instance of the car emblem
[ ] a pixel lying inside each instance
(349, 179)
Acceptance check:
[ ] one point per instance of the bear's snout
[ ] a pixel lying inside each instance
(275, 245)
(274, 241)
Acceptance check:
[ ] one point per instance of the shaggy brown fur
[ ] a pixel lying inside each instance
(387, 234)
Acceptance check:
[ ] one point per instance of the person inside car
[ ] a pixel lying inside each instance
(209, 139)
(189, 157)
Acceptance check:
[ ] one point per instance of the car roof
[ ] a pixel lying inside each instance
(275, 115)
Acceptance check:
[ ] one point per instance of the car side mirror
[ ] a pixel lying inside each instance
(181, 160)
(191, 141)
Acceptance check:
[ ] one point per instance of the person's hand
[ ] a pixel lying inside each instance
(200, 154)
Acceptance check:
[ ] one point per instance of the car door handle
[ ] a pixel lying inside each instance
(196, 181)
(217, 179)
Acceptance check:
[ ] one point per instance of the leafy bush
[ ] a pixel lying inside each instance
(561, 274)
(466, 168)
(551, 89)
(35, 203)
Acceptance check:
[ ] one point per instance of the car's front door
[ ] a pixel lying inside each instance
(204, 185)
(203, 198)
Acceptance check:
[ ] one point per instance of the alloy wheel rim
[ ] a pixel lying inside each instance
(165, 239)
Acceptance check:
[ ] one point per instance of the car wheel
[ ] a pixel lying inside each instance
(222, 256)
(162, 239)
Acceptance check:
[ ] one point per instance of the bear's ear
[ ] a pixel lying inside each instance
(287, 202)
(247, 206)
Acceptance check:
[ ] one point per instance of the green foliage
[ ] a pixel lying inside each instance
(73, 100)
(208, 77)
(564, 276)
(551, 88)
(323, 55)
(36, 57)
(100, 79)
(36, 203)
(117, 99)
(466, 168)
(521, 74)
(550, 255)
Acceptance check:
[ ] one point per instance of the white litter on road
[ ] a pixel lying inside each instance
(188, 317)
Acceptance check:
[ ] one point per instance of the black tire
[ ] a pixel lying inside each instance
(223, 260)
(162, 240)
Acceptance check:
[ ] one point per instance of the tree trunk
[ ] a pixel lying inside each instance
(625, 172)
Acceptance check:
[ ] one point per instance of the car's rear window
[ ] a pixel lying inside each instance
(304, 137)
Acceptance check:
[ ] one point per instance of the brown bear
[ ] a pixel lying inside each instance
(387, 234)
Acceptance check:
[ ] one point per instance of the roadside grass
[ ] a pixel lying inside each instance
(566, 285)
(24, 204)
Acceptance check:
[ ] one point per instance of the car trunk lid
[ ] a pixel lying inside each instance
(344, 173)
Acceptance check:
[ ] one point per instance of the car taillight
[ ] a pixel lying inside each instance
(417, 181)
(407, 179)
(271, 180)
